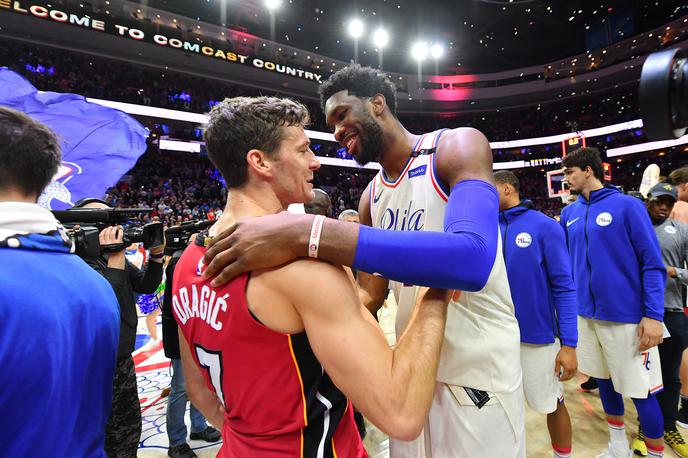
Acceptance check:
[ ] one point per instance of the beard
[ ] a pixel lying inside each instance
(371, 140)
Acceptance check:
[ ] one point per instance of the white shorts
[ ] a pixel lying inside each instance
(541, 385)
(456, 428)
(610, 350)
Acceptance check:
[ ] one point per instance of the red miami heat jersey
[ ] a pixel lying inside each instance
(278, 399)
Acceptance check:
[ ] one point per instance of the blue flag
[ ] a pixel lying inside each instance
(99, 144)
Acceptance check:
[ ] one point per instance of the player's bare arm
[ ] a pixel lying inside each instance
(464, 154)
(392, 387)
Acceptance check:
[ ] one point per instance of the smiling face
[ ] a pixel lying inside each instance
(354, 126)
(293, 164)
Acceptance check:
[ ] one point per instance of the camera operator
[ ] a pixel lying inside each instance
(123, 430)
(59, 318)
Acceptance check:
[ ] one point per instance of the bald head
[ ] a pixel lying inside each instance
(320, 205)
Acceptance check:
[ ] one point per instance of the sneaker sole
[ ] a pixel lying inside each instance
(682, 425)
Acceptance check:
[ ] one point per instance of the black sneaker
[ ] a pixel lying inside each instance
(589, 385)
(682, 416)
(181, 451)
(210, 434)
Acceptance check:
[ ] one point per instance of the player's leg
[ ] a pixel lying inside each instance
(592, 361)
(559, 426)
(670, 354)
(545, 394)
(635, 374)
(682, 418)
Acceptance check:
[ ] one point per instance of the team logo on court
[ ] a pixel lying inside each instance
(523, 240)
(670, 230)
(604, 219)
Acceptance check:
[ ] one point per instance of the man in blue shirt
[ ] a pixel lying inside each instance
(539, 271)
(60, 319)
(619, 277)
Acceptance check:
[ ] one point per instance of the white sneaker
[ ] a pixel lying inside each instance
(616, 450)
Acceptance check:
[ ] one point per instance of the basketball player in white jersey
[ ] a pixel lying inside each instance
(441, 181)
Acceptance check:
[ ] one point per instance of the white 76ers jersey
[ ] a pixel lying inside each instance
(481, 346)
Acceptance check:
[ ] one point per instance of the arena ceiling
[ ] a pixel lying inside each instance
(479, 36)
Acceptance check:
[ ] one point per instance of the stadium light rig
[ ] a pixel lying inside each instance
(356, 28)
(419, 51)
(436, 51)
(272, 5)
(380, 38)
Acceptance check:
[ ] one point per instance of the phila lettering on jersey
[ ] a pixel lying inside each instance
(481, 343)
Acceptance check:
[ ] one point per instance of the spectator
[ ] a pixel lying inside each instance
(56, 387)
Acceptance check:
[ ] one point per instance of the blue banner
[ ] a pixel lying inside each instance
(99, 144)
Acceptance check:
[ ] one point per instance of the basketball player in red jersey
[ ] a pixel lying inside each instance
(271, 358)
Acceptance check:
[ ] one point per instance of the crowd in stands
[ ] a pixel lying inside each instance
(182, 187)
(185, 187)
(62, 71)
(178, 188)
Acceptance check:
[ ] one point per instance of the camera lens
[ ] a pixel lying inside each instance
(663, 94)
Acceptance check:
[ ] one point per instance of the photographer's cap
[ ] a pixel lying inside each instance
(663, 189)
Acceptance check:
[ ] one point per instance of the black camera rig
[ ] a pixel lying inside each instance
(91, 221)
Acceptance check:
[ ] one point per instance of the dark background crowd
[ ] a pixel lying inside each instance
(183, 186)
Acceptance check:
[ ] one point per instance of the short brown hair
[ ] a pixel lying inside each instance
(586, 157)
(504, 176)
(29, 152)
(679, 176)
(238, 125)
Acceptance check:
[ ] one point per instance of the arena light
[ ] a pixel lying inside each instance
(272, 5)
(648, 146)
(419, 51)
(180, 145)
(356, 28)
(436, 51)
(597, 132)
(380, 38)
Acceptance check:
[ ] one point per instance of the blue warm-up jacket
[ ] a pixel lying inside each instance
(616, 259)
(539, 271)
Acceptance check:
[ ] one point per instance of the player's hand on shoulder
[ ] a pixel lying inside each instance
(255, 244)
